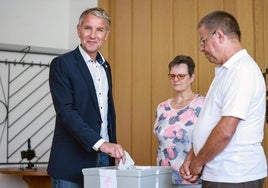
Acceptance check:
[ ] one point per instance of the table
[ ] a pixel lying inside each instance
(33, 177)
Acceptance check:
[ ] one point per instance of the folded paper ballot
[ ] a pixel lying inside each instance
(129, 164)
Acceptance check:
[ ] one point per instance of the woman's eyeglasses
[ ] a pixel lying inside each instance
(179, 76)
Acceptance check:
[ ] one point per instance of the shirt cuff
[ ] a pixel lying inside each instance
(98, 144)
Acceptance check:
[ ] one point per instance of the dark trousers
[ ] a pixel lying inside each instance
(250, 184)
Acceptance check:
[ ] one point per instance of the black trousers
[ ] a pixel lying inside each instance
(251, 184)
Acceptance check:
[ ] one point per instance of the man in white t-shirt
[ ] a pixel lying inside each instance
(227, 150)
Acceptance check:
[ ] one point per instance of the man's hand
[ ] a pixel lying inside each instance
(195, 167)
(186, 174)
(114, 150)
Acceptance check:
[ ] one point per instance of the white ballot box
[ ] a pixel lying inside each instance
(138, 177)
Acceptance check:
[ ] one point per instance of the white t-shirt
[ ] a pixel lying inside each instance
(237, 90)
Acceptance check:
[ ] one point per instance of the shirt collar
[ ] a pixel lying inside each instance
(234, 58)
(229, 63)
(87, 58)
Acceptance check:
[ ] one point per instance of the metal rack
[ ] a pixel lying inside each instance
(37, 78)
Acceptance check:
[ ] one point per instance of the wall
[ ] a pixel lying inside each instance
(48, 25)
(145, 37)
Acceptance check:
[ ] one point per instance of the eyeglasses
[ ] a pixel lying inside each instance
(179, 76)
(203, 41)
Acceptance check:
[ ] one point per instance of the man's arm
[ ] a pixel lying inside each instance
(185, 168)
(218, 139)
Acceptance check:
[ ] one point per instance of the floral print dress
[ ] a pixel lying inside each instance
(174, 128)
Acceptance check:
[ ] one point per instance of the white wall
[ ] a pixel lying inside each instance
(50, 23)
(41, 23)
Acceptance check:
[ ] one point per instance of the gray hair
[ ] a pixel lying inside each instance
(221, 20)
(99, 12)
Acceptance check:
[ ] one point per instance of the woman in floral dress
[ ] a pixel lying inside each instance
(176, 117)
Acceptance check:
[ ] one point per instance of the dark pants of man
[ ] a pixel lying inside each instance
(250, 184)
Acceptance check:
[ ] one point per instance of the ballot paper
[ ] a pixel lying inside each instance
(129, 164)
